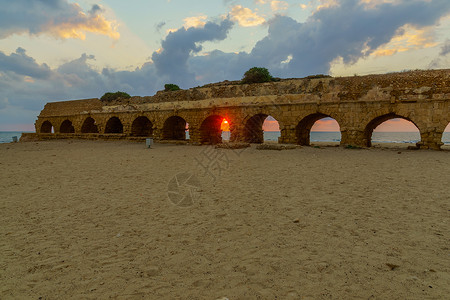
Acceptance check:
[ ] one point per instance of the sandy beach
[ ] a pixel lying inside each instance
(114, 220)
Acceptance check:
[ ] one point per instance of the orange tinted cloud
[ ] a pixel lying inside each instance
(197, 21)
(409, 39)
(278, 5)
(326, 4)
(77, 30)
(245, 16)
(59, 18)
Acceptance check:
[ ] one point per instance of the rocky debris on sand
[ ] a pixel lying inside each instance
(275, 147)
(233, 145)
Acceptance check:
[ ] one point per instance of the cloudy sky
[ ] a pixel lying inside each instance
(53, 50)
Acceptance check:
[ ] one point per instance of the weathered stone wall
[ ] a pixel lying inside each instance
(67, 108)
(358, 104)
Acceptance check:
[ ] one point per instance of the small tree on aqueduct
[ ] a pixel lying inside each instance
(108, 97)
(171, 87)
(257, 75)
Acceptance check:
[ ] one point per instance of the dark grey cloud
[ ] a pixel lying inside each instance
(96, 9)
(349, 30)
(179, 46)
(159, 26)
(35, 17)
(26, 84)
(441, 61)
(21, 64)
(219, 66)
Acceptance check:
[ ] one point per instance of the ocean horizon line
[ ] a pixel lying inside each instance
(406, 137)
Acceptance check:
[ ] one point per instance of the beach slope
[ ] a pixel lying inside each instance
(93, 219)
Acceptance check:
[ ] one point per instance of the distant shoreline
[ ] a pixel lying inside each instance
(379, 138)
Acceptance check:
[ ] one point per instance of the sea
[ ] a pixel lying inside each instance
(378, 137)
(7, 136)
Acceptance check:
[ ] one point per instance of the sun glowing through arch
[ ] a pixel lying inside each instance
(225, 126)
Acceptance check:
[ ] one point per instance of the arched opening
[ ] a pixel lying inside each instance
(66, 127)
(142, 127)
(211, 130)
(89, 126)
(47, 127)
(446, 136)
(271, 129)
(391, 128)
(326, 130)
(114, 126)
(175, 128)
(317, 127)
(260, 128)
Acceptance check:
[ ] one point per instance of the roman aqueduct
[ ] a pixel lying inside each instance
(359, 104)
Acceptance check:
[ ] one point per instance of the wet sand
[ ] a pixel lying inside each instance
(89, 220)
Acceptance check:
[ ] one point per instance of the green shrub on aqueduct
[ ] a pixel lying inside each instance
(257, 75)
(171, 87)
(108, 97)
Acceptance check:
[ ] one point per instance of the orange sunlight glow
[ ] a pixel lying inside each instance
(325, 125)
(396, 125)
(393, 125)
(270, 125)
(224, 126)
(85, 23)
(447, 129)
(410, 39)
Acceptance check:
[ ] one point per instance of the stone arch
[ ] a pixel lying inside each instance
(210, 130)
(114, 125)
(89, 126)
(370, 127)
(46, 127)
(66, 127)
(253, 128)
(445, 139)
(174, 128)
(142, 126)
(303, 129)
